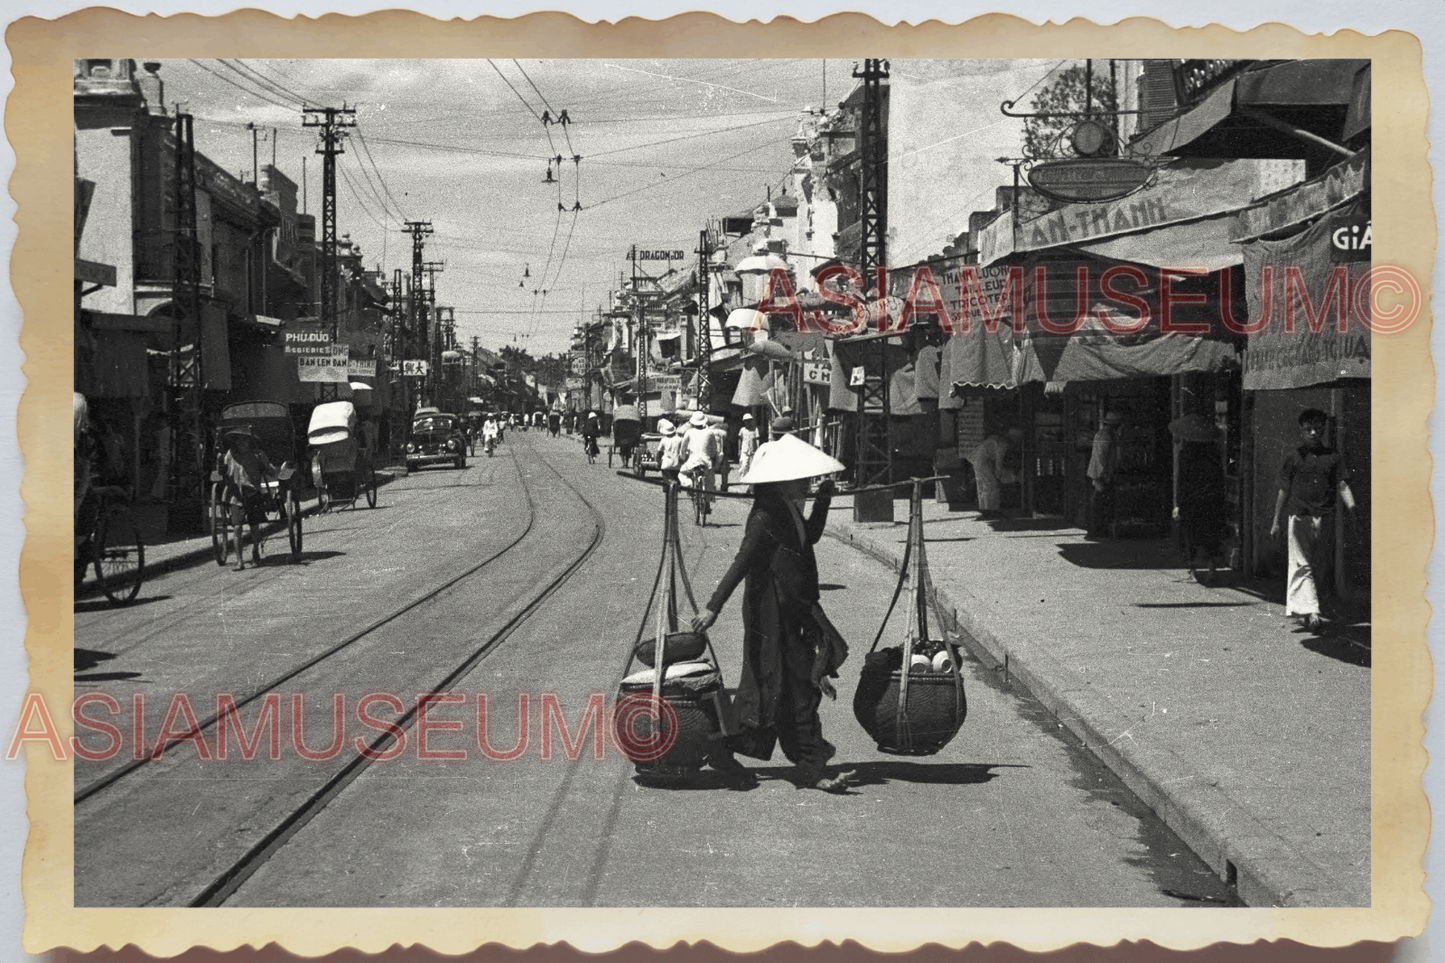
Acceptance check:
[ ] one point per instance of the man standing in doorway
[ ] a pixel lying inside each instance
(1103, 463)
(1309, 480)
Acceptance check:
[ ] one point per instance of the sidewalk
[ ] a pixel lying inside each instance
(1247, 736)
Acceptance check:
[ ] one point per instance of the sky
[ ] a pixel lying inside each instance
(664, 145)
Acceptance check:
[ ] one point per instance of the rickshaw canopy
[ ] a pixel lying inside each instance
(331, 422)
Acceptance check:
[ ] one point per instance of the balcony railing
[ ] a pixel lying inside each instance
(1195, 78)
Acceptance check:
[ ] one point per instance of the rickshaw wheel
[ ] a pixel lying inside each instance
(220, 526)
(120, 558)
(370, 486)
(291, 509)
(639, 464)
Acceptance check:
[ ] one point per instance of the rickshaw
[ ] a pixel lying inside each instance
(554, 422)
(342, 464)
(270, 425)
(626, 434)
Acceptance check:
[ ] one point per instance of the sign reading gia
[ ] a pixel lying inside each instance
(1089, 179)
(660, 255)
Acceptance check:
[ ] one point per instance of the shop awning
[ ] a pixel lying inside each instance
(979, 359)
(1203, 243)
(1101, 338)
(1319, 96)
(1305, 202)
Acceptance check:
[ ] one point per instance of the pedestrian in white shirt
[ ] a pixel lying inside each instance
(700, 448)
(669, 450)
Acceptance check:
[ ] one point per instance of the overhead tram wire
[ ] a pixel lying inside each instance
(547, 105)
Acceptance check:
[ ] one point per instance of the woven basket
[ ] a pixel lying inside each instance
(936, 710)
(696, 720)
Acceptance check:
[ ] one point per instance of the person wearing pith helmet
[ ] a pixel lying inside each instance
(747, 443)
(790, 648)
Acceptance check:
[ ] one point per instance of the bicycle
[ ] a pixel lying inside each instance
(701, 503)
(113, 546)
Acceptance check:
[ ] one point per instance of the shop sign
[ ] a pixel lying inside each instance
(414, 369)
(817, 373)
(307, 339)
(1089, 179)
(327, 368)
(361, 369)
(664, 382)
(661, 255)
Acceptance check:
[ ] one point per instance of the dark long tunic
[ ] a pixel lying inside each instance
(777, 699)
(1201, 496)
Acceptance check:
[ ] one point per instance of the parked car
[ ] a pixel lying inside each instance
(436, 437)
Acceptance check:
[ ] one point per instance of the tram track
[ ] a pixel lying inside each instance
(228, 882)
(208, 724)
(212, 889)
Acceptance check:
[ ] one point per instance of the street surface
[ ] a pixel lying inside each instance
(1011, 813)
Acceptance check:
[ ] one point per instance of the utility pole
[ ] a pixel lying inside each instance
(875, 447)
(418, 230)
(431, 341)
(704, 320)
(255, 170)
(332, 122)
(187, 437)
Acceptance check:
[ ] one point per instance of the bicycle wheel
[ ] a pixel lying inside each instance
(698, 515)
(370, 477)
(120, 558)
(291, 509)
(220, 526)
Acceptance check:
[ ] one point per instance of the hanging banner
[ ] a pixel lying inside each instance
(1318, 284)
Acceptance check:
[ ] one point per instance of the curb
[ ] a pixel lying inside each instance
(1262, 866)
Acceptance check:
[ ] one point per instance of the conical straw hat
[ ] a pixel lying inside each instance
(788, 458)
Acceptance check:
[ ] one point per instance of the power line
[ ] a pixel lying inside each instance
(688, 173)
(673, 140)
(375, 195)
(357, 195)
(256, 78)
(244, 90)
(365, 147)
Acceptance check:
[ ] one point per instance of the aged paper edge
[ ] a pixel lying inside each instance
(36, 117)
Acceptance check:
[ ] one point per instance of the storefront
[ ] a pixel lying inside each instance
(1313, 349)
